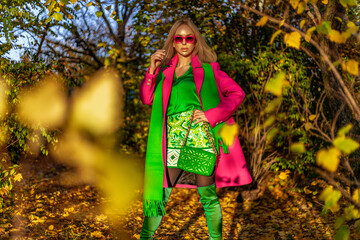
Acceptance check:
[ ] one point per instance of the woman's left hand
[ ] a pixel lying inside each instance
(199, 116)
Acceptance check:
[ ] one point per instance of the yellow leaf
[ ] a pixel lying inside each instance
(302, 23)
(301, 7)
(43, 105)
(344, 130)
(89, 4)
(347, 145)
(51, 227)
(330, 197)
(293, 39)
(351, 213)
(283, 176)
(325, 1)
(282, 22)
(103, 217)
(294, 3)
(276, 83)
(262, 21)
(307, 191)
(4, 190)
(335, 36)
(272, 105)
(352, 28)
(356, 195)
(3, 97)
(271, 134)
(298, 147)
(328, 159)
(274, 36)
(351, 67)
(308, 33)
(269, 121)
(73, 148)
(58, 16)
(73, 1)
(312, 117)
(71, 209)
(345, 35)
(228, 133)
(348, 3)
(339, 19)
(18, 177)
(96, 104)
(97, 234)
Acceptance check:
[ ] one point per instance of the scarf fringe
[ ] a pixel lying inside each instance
(153, 208)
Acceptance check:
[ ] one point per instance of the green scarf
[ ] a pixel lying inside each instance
(153, 203)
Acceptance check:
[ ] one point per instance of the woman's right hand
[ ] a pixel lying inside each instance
(156, 59)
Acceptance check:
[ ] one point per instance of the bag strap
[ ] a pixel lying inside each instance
(211, 140)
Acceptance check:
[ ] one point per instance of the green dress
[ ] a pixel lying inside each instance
(183, 99)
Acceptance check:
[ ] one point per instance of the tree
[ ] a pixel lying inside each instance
(19, 18)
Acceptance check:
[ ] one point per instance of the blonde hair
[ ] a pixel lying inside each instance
(204, 52)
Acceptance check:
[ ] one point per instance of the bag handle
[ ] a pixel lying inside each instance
(211, 140)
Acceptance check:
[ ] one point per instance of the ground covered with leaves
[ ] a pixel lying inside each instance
(48, 205)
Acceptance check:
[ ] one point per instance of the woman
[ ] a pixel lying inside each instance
(182, 77)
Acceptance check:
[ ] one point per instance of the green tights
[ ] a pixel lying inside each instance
(213, 215)
(212, 208)
(152, 223)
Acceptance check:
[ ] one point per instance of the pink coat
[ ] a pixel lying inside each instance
(231, 169)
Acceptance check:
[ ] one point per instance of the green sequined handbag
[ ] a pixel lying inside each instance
(196, 160)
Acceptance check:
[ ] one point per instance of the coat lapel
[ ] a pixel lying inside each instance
(198, 73)
(168, 80)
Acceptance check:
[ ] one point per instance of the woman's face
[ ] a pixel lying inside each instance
(184, 49)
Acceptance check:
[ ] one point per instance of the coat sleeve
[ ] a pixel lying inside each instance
(147, 87)
(232, 97)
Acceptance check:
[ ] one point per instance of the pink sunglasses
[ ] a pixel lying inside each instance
(188, 39)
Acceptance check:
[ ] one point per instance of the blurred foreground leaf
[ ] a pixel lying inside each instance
(228, 133)
(347, 145)
(97, 105)
(43, 105)
(330, 197)
(298, 147)
(276, 83)
(328, 159)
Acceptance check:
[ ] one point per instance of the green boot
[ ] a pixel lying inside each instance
(152, 223)
(212, 208)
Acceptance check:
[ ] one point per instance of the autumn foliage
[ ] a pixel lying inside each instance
(73, 127)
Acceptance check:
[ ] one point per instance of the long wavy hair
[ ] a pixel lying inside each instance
(204, 52)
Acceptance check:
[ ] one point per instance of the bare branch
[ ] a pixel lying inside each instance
(349, 168)
(335, 120)
(346, 94)
(317, 13)
(42, 40)
(331, 181)
(113, 36)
